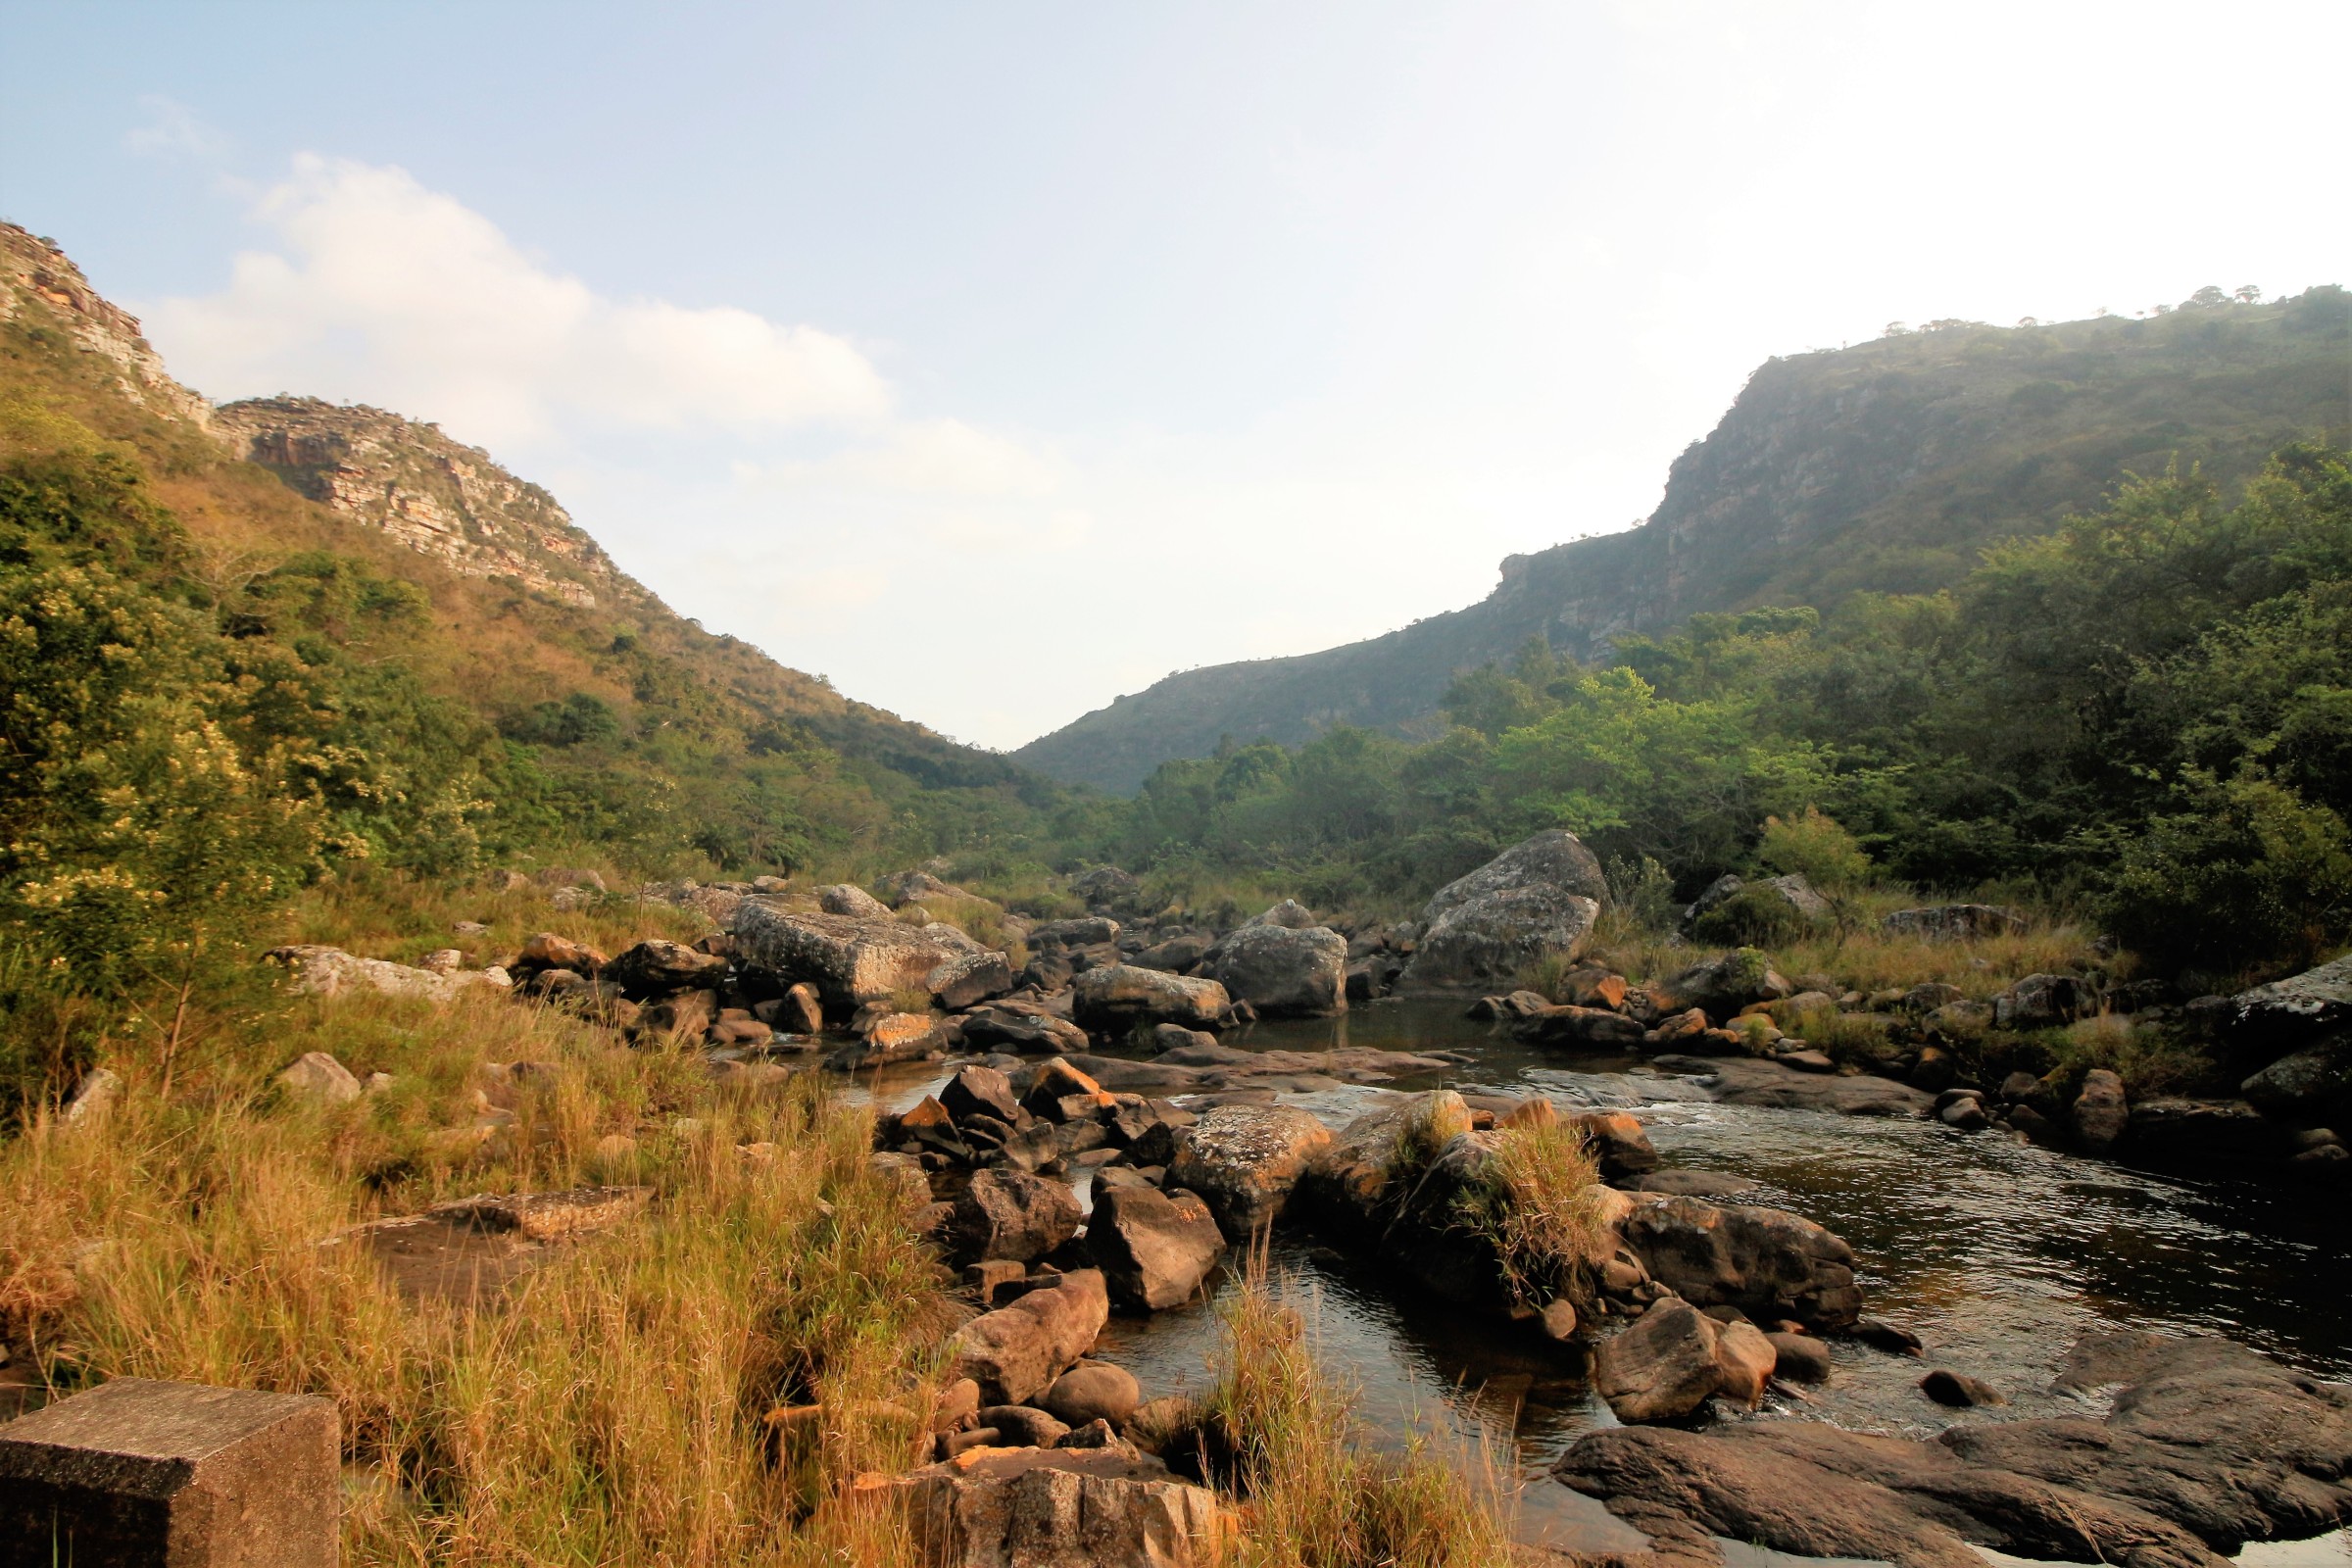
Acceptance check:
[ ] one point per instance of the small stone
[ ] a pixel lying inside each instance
(1802, 1359)
(93, 1098)
(1094, 1391)
(1560, 1318)
(319, 1080)
(1946, 1387)
(1891, 1338)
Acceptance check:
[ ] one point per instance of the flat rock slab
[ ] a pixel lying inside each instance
(2208, 1447)
(468, 1251)
(142, 1472)
(1769, 1086)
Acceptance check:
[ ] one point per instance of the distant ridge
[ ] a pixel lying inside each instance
(1887, 467)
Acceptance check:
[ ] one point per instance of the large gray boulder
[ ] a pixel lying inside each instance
(2297, 1008)
(849, 960)
(1284, 970)
(1533, 901)
(1118, 995)
(2314, 1084)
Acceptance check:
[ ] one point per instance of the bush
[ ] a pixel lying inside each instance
(1815, 848)
(1755, 916)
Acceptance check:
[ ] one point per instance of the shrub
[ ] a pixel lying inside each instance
(1815, 848)
(1755, 916)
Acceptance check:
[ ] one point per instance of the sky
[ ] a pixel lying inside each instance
(996, 360)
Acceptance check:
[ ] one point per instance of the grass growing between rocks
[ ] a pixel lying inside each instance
(1538, 1200)
(610, 1410)
(1315, 1494)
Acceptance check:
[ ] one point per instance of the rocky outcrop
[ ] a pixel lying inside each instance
(1535, 900)
(38, 280)
(2295, 1008)
(434, 495)
(997, 1507)
(2208, 1447)
(330, 971)
(1283, 971)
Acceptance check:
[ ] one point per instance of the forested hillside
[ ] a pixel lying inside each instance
(1884, 467)
(224, 680)
(2147, 712)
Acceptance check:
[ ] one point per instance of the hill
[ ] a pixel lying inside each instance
(567, 706)
(1887, 467)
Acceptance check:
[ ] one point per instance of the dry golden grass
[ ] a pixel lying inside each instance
(1316, 1494)
(1540, 1207)
(609, 1410)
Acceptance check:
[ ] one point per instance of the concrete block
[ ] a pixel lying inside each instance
(142, 1474)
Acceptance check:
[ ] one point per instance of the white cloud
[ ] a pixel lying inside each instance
(172, 129)
(937, 458)
(384, 291)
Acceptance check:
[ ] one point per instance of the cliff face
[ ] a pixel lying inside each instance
(435, 496)
(35, 269)
(1886, 468)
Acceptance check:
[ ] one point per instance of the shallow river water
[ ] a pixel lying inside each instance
(1997, 1254)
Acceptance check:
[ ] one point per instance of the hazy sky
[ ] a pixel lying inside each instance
(996, 360)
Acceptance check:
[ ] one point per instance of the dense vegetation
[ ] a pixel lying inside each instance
(2147, 712)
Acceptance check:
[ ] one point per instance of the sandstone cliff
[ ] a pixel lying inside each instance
(35, 269)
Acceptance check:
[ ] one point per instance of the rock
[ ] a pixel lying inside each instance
(1807, 904)
(319, 1079)
(1768, 1263)
(1016, 1352)
(2100, 1114)
(98, 1093)
(683, 1013)
(980, 1091)
(545, 949)
(1094, 1391)
(1091, 931)
(1618, 1142)
(1153, 1249)
(2180, 1131)
(848, 960)
(654, 966)
(1946, 1387)
(1118, 995)
(1965, 1114)
(1723, 985)
(1891, 1338)
(1105, 884)
(1011, 1215)
(1592, 1028)
(1743, 1081)
(1717, 894)
(1022, 1426)
(1662, 1367)
(846, 899)
(330, 971)
(1246, 1160)
(1534, 899)
(2295, 1008)
(1689, 1184)
(1805, 1061)
(800, 1011)
(1099, 1434)
(1054, 1084)
(2044, 1002)
(1056, 1509)
(1922, 1000)
(1800, 1357)
(969, 979)
(1174, 955)
(556, 1216)
(442, 960)
(2311, 1084)
(1745, 1360)
(1290, 913)
(1558, 1319)
(1282, 971)
(1954, 922)
(1010, 1025)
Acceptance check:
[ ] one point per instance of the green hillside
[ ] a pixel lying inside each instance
(1887, 467)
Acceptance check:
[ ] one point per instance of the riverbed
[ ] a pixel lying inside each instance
(1997, 1254)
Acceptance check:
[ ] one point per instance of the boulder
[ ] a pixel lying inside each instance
(1349, 1176)
(993, 1507)
(1769, 1263)
(545, 949)
(1799, 1357)
(1744, 1361)
(968, 979)
(2100, 1111)
(319, 1079)
(1094, 1391)
(2314, 1084)
(1954, 922)
(1580, 1028)
(1535, 900)
(1617, 1139)
(848, 960)
(800, 1011)
(654, 966)
(1016, 1352)
(1021, 1027)
(2044, 1002)
(1246, 1160)
(1105, 884)
(848, 899)
(1661, 1368)
(980, 1091)
(1175, 955)
(1153, 1248)
(2295, 1008)
(1715, 896)
(1089, 931)
(330, 971)
(1011, 1215)
(1118, 995)
(1958, 1389)
(1289, 913)
(1022, 1426)
(1282, 970)
(2182, 1132)
(1723, 985)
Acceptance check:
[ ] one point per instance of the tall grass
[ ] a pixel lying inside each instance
(1537, 1202)
(609, 1410)
(1316, 1494)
